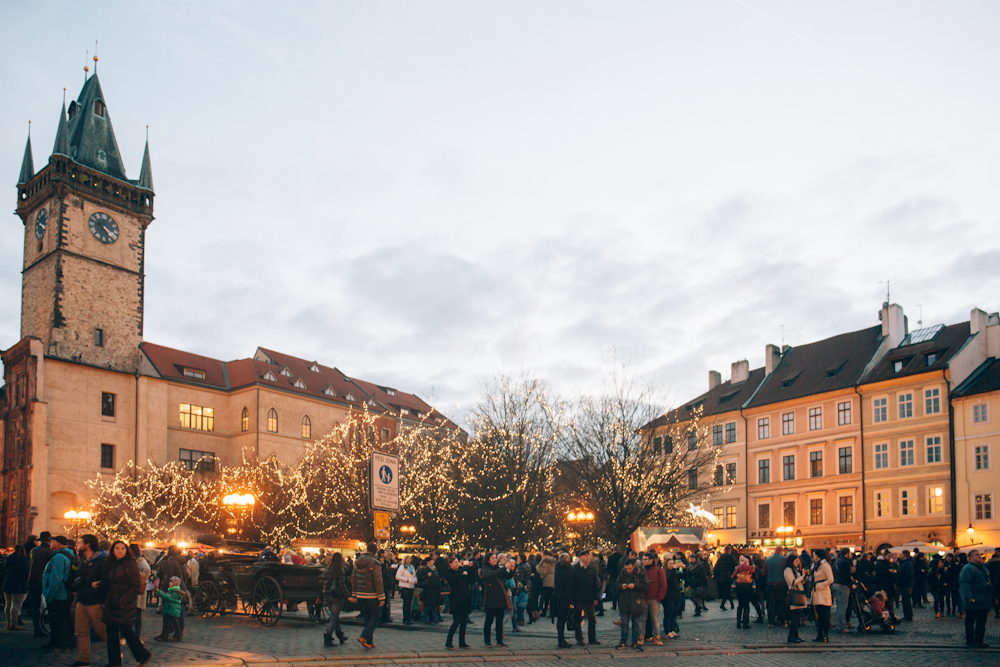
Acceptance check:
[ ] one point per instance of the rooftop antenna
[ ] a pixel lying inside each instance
(887, 299)
(920, 322)
(95, 56)
(85, 67)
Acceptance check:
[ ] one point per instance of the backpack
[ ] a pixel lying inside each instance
(72, 572)
(744, 578)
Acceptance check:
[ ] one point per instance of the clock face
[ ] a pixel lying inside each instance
(103, 227)
(41, 222)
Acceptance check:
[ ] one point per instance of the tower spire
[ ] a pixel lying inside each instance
(61, 146)
(146, 174)
(27, 164)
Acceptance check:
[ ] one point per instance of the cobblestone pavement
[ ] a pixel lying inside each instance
(240, 640)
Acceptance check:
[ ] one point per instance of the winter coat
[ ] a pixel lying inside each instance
(334, 587)
(696, 574)
(547, 571)
(657, 580)
(56, 571)
(431, 593)
(40, 557)
(366, 578)
(822, 579)
(586, 586)
(675, 586)
(614, 566)
(906, 573)
(193, 568)
(172, 598)
(16, 571)
(171, 567)
(795, 583)
(562, 587)
(144, 572)
(493, 583)
(406, 577)
(628, 596)
(123, 591)
(745, 568)
(842, 571)
(460, 582)
(884, 576)
(974, 583)
(725, 566)
(93, 570)
(775, 568)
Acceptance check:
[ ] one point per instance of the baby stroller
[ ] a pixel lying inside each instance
(868, 619)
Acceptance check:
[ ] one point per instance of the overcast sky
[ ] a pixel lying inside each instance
(422, 192)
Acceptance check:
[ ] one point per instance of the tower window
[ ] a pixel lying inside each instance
(99, 108)
(306, 427)
(108, 457)
(272, 421)
(102, 157)
(99, 337)
(245, 420)
(107, 404)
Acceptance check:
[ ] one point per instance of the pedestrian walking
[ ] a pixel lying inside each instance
(743, 577)
(724, 569)
(822, 598)
(144, 571)
(406, 577)
(15, 586)
(696, 576)
(547, 573)
(334, 593)
(459, 576)
(655, 592)
(369, 592)
(586, 585)
(795, 581)
(59, 571)
(39, 557)
(173, 606)
(977, 596)
(843, 584)
(124, 591)
(91, 589)
(562, 596)
(993, 569)
(776, 588)
(673, 598)
(170, 567)
(905, 581)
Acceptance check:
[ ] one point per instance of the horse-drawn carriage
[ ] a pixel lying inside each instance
(262, 589)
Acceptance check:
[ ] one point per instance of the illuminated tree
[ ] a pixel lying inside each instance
(629, 477)
(429, 471)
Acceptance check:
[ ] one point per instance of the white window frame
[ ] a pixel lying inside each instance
(763, 425)
(884, 454)
(976, 458)
(927, 448)
(770, 469)
(904, 405)
(854, 506)
(781, 508)
(791, 421)
(928, 396)
(992, 506)
(929, 496)
(795, 471)
(821, 497)
(840, 446)
(809, 452)
(819, 416)
(982, 411)
(880, 413)
(911, 497)
(912, 450)
(849, 412)
(882, 503)
(770, 516)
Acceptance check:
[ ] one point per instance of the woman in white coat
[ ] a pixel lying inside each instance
(795, 580)
(822, 598)
(144, 572)
(406, 575)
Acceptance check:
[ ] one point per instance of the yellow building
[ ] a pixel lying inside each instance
(976, 408)
(84, 395)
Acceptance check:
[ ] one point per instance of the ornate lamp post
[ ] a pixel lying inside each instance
(581, 520)
(76, 518)
(240, 505)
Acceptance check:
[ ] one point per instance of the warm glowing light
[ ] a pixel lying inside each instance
(970, 531)
(242, 501)
(701, 513)
(149, 544)
(71, 515)
(182, 545)
(580, 515)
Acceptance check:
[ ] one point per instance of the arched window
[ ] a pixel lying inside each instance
(245, 421)
(306, 427)
(272, 421)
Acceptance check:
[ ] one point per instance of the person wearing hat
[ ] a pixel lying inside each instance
(586, 587)
(57, 571)
(39, 557)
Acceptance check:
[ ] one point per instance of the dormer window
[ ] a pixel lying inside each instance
(314, 368)
(99, 108)
(102, 157)
(897, 366)
(329, 391)
(350, 397)
(931, 358)
(287, 373)
(299, 384)
(194, 374)
(72, 110)
(270, 376)
(391, 392)
(371, 402)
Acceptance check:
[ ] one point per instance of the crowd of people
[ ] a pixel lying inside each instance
(96, 588)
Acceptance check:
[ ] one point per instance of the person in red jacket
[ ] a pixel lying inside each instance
(654, 595)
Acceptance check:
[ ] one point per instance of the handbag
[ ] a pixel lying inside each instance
(638, 606)
(796, 598)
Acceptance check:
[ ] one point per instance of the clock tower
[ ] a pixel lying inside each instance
(84, 241)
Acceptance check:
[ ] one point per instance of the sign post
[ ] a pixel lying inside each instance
(383, 490)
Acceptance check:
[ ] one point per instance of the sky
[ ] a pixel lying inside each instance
(424, 193)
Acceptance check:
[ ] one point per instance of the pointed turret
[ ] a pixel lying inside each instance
(146, 174)
(27, 165)
(61, 146)
(91, 138)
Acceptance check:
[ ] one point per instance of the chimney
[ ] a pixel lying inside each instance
(772, 357)
(893, 324)
(977, 321)
(741, 371)
(714, 379)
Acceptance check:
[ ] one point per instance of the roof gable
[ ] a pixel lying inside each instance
(931, 353)
(92, 140)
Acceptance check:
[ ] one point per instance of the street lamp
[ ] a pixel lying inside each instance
(971, 532)
(76, 518)
(240, 503)
(580, 516)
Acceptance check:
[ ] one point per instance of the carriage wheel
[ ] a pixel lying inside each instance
(319, 613)
(267, 599)
(208, 599)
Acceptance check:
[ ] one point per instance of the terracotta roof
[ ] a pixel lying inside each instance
(944, 344)
(316, 382)
(827, 365)
(983, 379)
(170, 363)
(406, 406)
(723, 398)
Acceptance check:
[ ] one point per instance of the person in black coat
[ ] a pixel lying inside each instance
(459, 576)
(494, 597)
(562, 596)
(124, 589)
(15, 586)
(724, 568)
(40, 557)
(586, 592)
